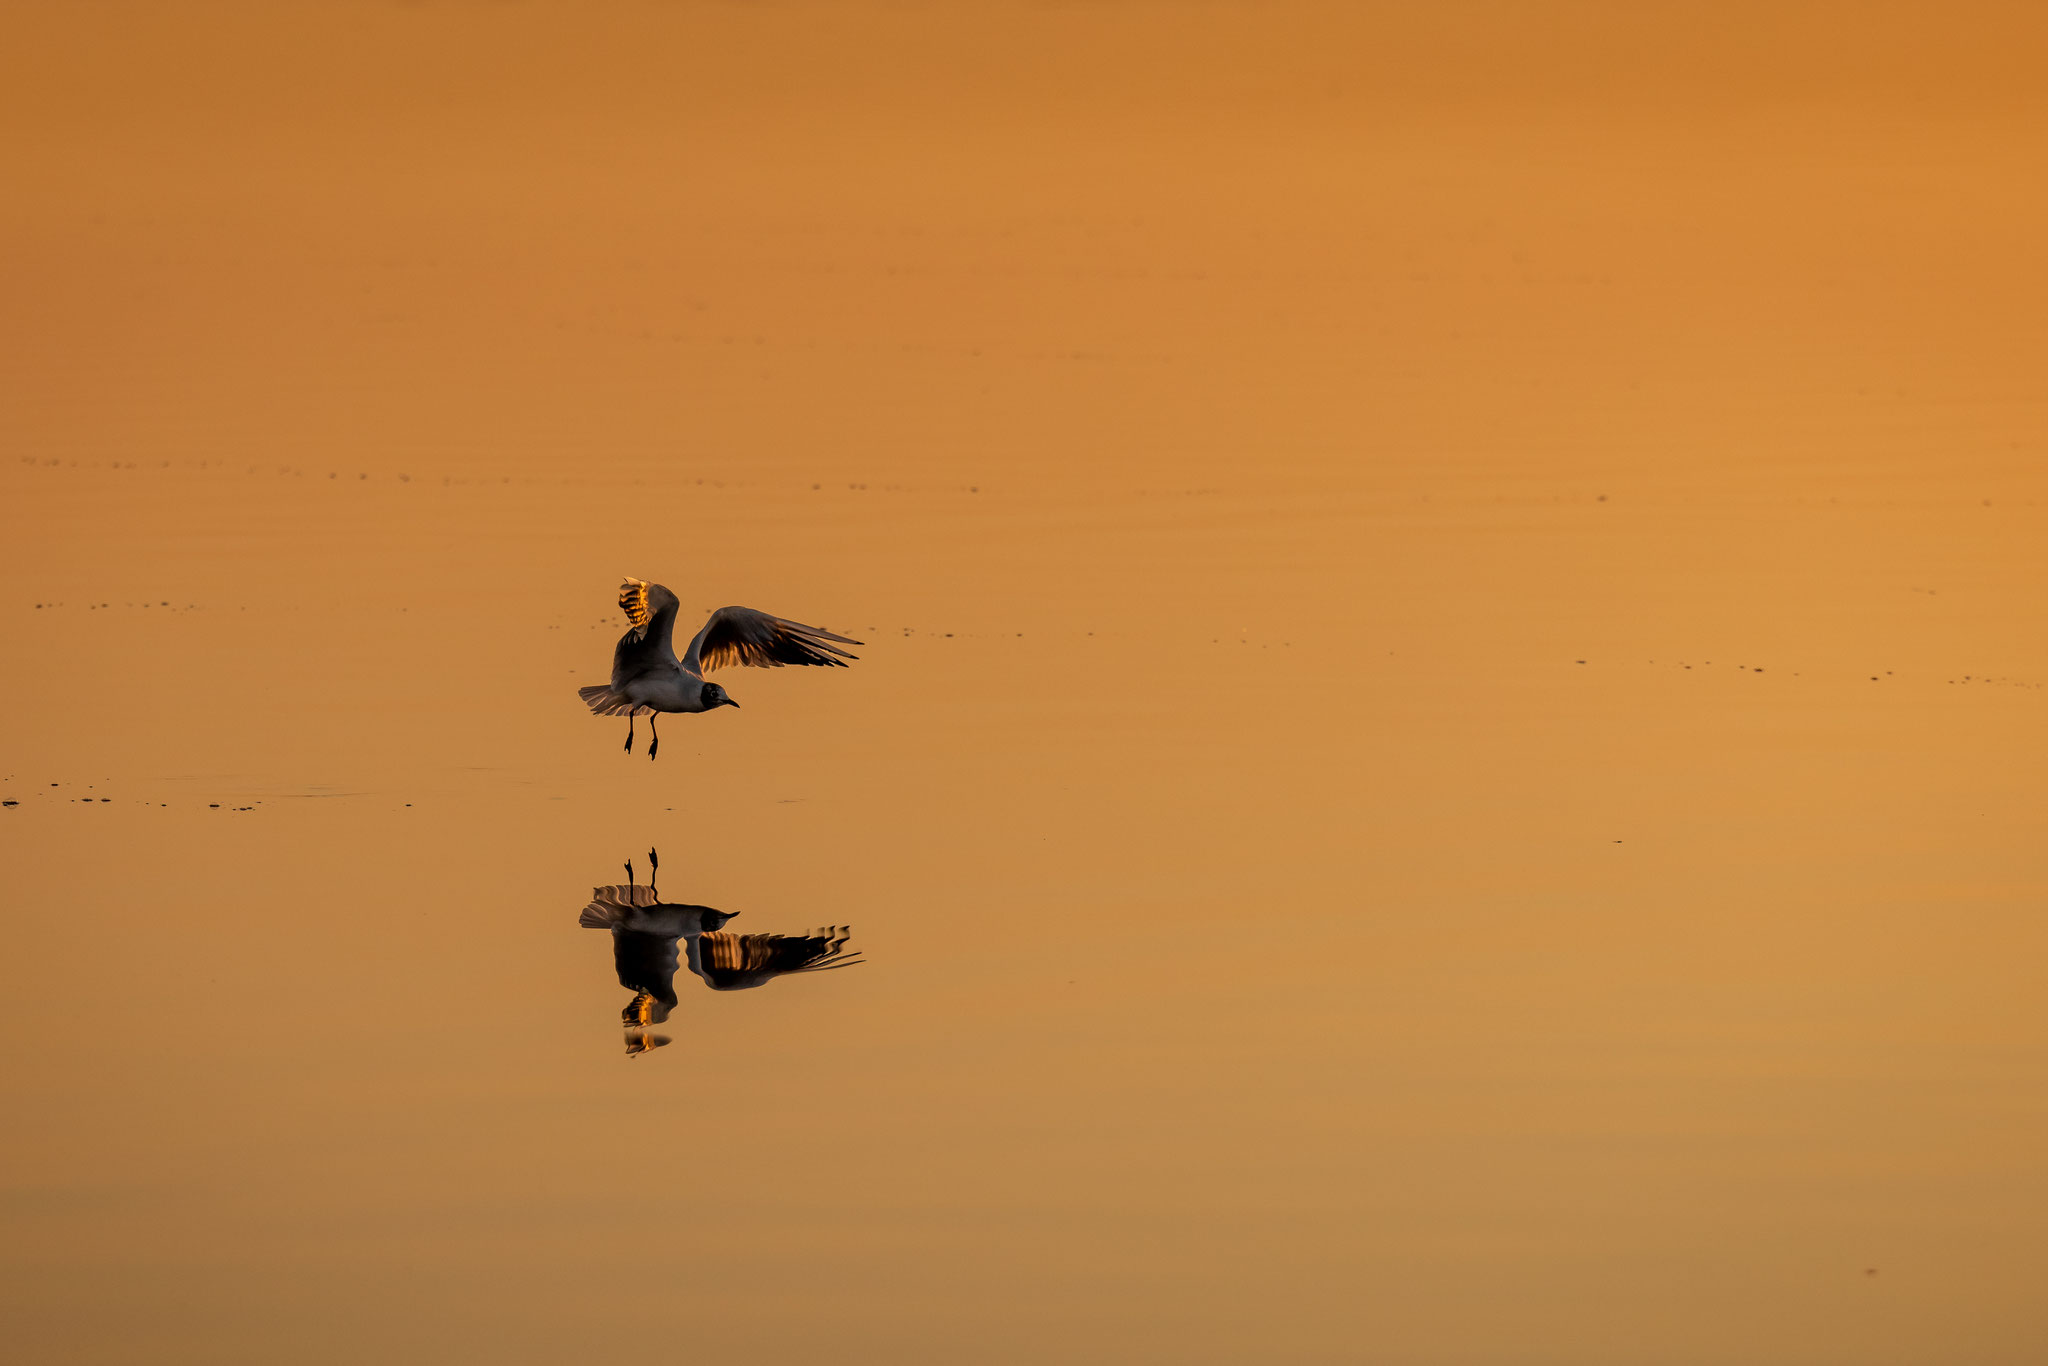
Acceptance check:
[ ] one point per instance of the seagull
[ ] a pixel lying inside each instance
(648, 679)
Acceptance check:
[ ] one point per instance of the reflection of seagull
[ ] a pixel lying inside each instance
(650, 938)
(647, 678)
(644, 934)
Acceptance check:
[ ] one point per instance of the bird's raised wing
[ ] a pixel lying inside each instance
(649, 641)
(638, 1041)
(730, 962)
(741, 635)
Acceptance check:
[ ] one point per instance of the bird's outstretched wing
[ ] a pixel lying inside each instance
(649, 641)
(741, 635)
(729, 962)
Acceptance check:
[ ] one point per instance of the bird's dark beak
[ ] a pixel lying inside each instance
(730, 703)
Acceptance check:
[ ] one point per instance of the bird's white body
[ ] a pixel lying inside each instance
(673, 689)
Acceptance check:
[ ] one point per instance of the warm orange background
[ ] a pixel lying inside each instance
(1448, 762)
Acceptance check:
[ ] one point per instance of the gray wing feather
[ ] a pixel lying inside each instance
(742, 635)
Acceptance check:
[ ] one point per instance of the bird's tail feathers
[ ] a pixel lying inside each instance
(602, 701)
(609, 905)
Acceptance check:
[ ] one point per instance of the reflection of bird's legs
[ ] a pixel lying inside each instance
(629, 732)
(639, 1041)
(654, 744)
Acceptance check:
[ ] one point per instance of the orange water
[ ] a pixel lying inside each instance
(1446, 765)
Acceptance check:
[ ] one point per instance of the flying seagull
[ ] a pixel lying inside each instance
(648, 679)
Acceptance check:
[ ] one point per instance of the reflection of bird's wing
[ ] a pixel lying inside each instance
(647, 964)
(644, 1010)
(650, 645)
(732, 962)
(613, 906)
(741, 635)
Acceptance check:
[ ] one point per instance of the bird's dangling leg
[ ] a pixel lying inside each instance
(629, 732)
(653, 868)
(629, 872)
(655, 744)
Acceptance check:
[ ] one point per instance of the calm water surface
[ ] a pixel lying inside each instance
(1445, 765)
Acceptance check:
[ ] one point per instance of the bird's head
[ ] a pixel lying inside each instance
(714, 921)
(714, 696)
